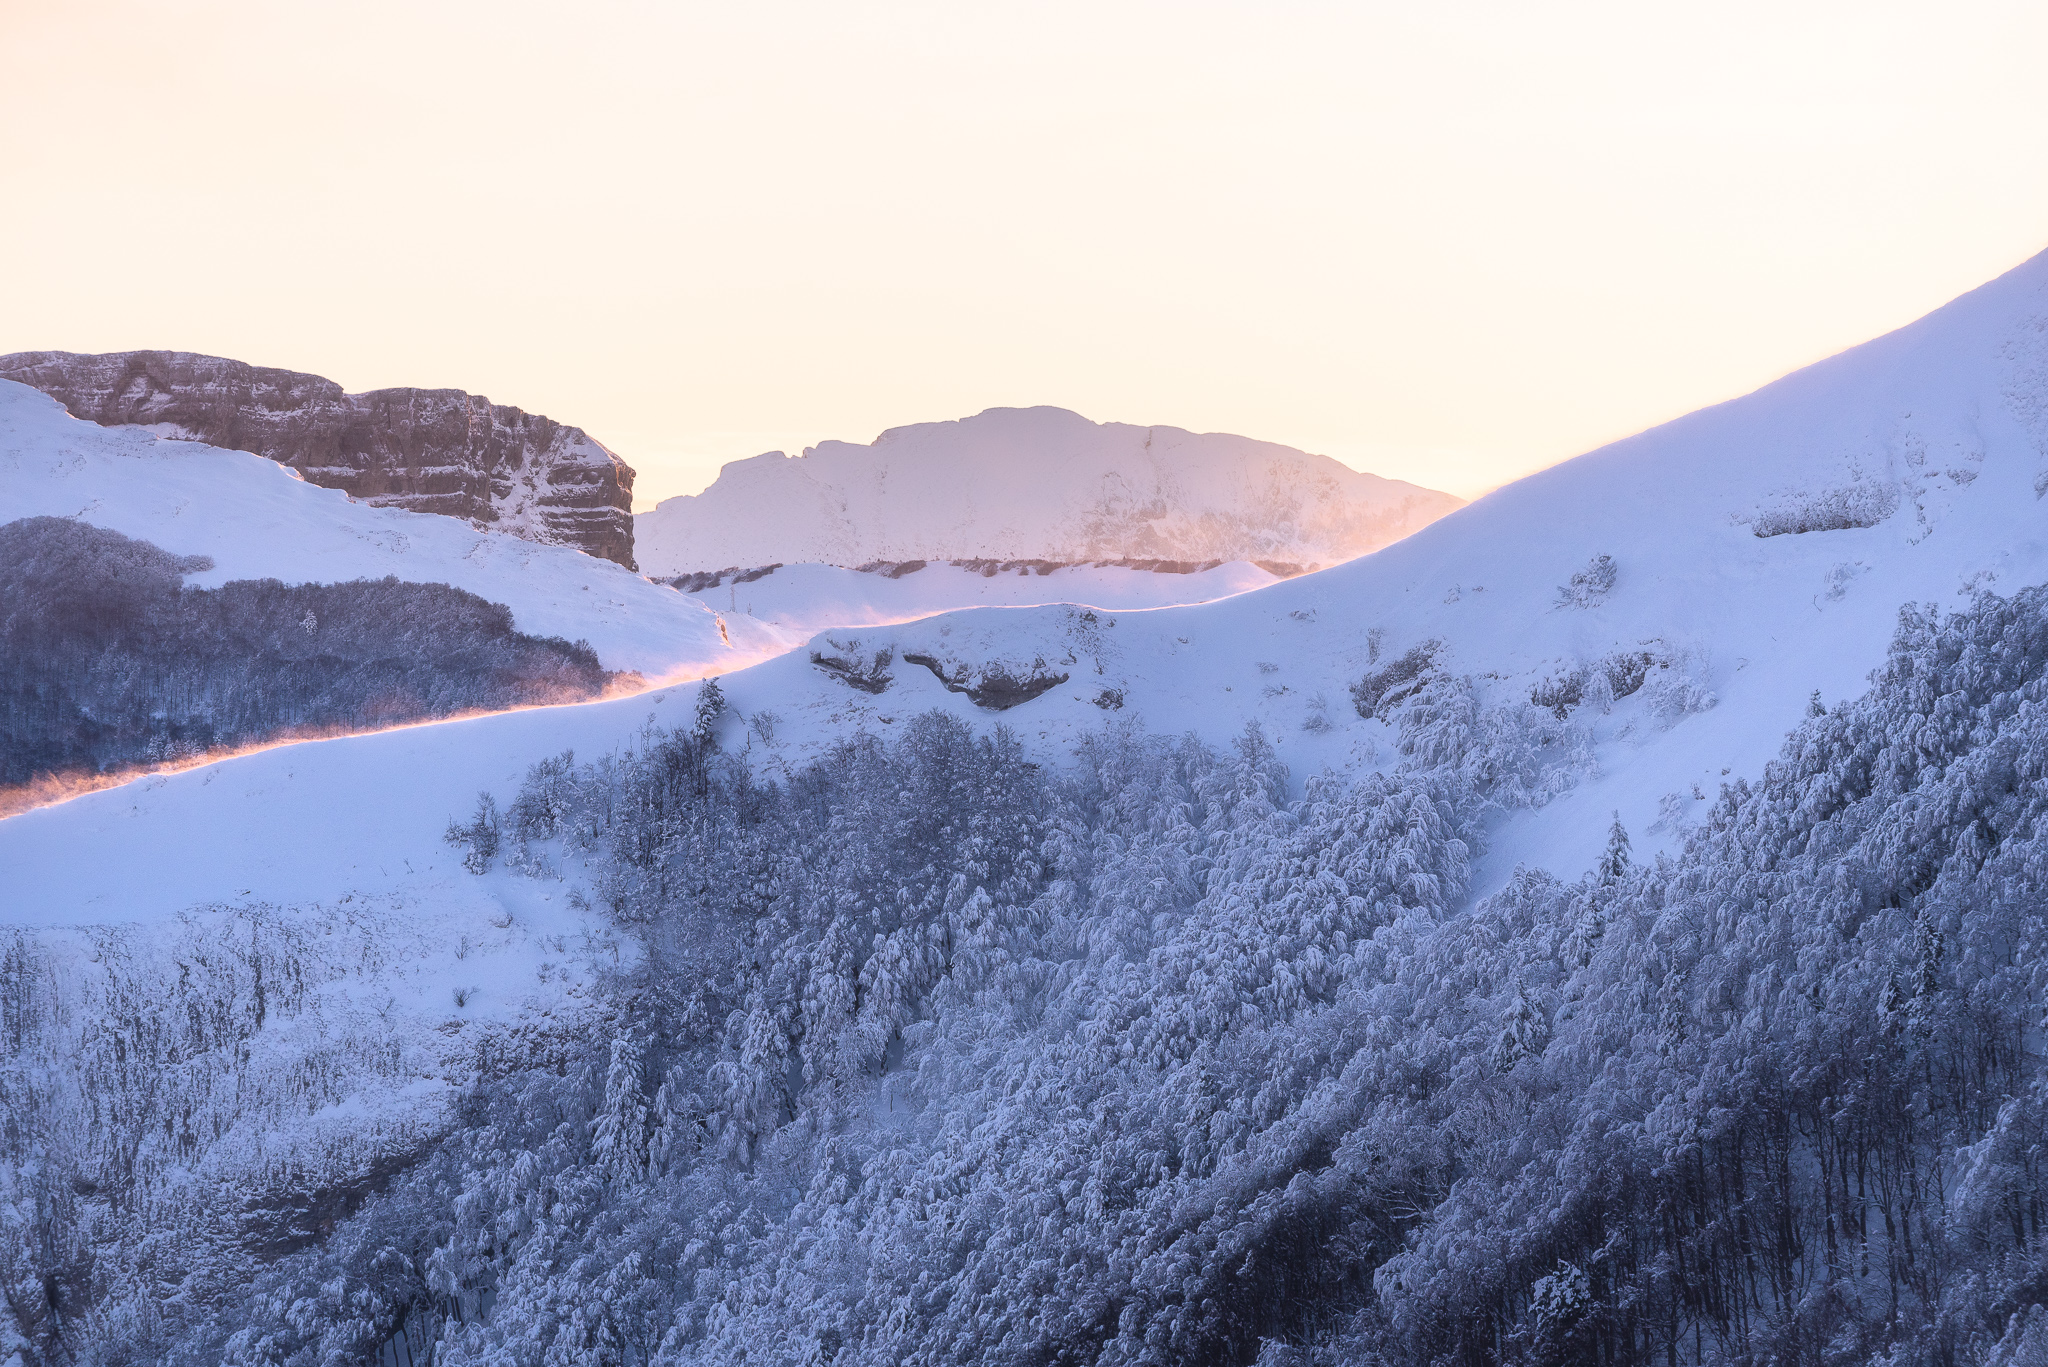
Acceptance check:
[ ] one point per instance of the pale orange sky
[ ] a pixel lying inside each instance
(1449, 243)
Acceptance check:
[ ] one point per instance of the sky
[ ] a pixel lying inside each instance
(1449, 243)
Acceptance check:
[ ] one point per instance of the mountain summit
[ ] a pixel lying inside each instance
(1040, 483)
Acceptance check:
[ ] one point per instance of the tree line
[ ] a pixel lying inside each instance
(107, 660)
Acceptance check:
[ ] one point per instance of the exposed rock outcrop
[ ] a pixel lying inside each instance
(429, 450)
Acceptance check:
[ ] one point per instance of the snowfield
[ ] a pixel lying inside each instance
(1017, 483)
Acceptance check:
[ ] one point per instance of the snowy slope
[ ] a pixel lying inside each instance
(259, 520)
(1019, 483)
(335, 846)
(805, 599)
(1948, 416)
(1943, 423)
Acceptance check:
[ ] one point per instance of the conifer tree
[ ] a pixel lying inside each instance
(1614, 861)
(618, 1136)
(710, 707)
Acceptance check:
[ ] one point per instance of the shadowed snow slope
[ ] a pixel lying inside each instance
(1017, 483)
(259, 520)
(1936, 435)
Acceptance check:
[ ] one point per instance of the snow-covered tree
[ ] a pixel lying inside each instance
(1167, 1057)
(618, 1136)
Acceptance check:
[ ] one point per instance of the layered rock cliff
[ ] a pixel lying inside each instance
(427, 450)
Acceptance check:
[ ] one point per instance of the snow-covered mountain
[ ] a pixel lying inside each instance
(1034, 483)
(1624, 633)
(1750, 553)
(425, 450)
(257, 519)
(1742, 580)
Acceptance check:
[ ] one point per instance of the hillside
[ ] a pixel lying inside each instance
(990, 988)
(1758, 551)
(425, 450)
(256, 519)
(1034, 483)
(1936, 434)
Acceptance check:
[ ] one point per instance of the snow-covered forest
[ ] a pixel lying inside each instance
(107, 659)
(1108, 685)
(925, 1053)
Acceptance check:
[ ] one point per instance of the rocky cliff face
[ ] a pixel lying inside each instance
(428, 450)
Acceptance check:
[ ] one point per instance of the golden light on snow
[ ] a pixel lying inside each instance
(1445, 243)
(50, 789)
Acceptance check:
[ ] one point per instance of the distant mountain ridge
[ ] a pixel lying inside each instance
(1035, 483)
(426, 450)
